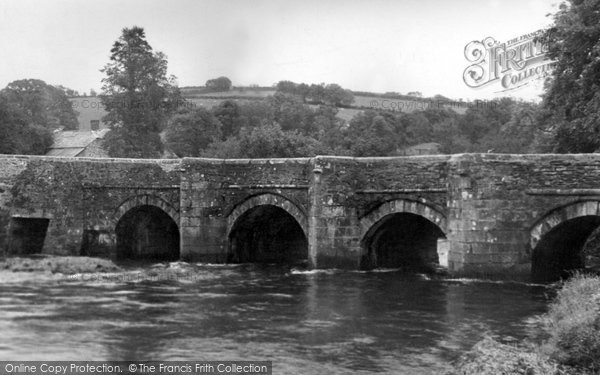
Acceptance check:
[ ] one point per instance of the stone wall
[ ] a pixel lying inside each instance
(211, 189)
(345, 190)
(78, 194)
(492, 209)
(495, 201)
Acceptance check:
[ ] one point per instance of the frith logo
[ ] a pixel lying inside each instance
(512, 64)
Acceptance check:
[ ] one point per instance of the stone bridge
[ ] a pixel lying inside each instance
(510, 215)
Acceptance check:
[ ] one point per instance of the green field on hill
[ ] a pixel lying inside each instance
(90, 107)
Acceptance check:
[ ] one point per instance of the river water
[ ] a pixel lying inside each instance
(306, 322)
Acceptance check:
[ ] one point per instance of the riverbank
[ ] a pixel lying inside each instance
(571, 339)
(58, 264)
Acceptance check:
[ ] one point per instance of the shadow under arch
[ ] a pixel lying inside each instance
(147, 228)
(404, 234)
(145, 200)
(558, 240)
(267, 228)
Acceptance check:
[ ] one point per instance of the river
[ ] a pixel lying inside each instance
(306, 322)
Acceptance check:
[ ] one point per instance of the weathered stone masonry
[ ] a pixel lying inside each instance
(493, 209)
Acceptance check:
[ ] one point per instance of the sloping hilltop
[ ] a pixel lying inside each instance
(90, 108)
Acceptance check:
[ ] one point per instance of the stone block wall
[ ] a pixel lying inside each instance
(344, 190)
(494, 201)
(211, 189)
(491, 208)
(78, 194)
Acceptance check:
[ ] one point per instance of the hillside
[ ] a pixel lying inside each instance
(200, 96)
(90, 108)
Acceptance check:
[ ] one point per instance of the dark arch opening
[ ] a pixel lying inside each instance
(402, 240)
(267, 234)
(147, 232)
(559, 252)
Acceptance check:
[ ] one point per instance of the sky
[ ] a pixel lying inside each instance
(377, 45)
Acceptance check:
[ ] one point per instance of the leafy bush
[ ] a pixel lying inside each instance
(574, 323)
(490, 357)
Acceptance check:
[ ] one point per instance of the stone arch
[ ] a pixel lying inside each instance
(404, 234)
(373, 219)
(145, 200)
(268, 199)
(560, 241)
(561, 215)
(146, 227)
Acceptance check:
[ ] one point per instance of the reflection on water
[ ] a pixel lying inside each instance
(311, 322)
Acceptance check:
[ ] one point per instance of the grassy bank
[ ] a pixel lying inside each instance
(572, 345)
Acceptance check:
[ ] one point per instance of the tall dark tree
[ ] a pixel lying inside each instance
(138, 96)
(571, 106)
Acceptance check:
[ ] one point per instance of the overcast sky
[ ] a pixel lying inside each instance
(379, 46)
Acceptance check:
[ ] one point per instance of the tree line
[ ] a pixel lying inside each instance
(145, 114)
(330, 94)
(283, 126)
(145, 110)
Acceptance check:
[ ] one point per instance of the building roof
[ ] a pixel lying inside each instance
(72, 143)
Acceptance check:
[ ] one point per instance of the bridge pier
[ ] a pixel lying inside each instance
(334, 239)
